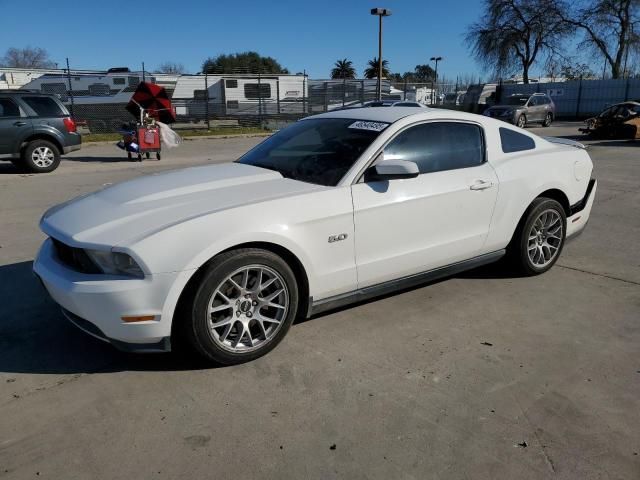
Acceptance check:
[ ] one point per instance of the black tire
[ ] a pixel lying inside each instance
(129, 155)
(139, 157)
(547, 120)
(521, 121)
(148, 155)
(518, 249)
(195, 327)
(30, 164)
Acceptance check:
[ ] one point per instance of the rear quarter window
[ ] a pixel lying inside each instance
(45, 106)
(8, 108)
(513, 141)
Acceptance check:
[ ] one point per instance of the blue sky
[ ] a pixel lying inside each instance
(301, 35)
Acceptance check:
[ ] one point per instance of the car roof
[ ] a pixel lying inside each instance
(391, 115)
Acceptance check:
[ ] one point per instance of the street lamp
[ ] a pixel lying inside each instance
(435, 59)
(380, 12)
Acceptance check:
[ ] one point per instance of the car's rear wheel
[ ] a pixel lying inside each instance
(547, 120)
(41, 156)
(522, 121)
(243, 307)
(540, 237)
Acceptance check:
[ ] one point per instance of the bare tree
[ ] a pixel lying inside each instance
(28, 57)
(171, 68)
(611, 28)
(513, 34)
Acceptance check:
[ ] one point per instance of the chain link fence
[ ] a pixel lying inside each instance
(246, 100)
(217, 101)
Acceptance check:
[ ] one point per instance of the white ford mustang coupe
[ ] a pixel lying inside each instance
(336, 208)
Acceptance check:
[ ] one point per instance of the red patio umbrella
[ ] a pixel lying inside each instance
(154, 100)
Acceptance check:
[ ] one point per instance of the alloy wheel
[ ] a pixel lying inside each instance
(248, 308)
(43, 157)
(545, 238)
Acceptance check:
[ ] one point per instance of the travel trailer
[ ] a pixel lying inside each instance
(239, 96)
(99, 99)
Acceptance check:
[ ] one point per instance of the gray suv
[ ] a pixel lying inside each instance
(523, 109)
(35, 129)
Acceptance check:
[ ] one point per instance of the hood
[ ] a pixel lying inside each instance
(135, 208)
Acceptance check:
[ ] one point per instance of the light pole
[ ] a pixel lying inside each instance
(380, 12)
(435, 59)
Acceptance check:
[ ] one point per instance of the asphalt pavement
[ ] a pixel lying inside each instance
(480, 376)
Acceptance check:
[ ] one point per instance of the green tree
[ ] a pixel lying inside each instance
(343, 69)
(420, 74)
(244, 62)
(372, 69)
(513, 34)
(424, 73)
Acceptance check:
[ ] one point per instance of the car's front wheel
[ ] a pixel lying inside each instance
(41, 156)
(522, 121)
(243, 307)
(540, 237)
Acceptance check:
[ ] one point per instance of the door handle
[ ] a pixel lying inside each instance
(20, 124)
(480, 185)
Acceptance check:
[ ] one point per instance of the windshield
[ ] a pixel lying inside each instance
(516, 100)
(319, 151)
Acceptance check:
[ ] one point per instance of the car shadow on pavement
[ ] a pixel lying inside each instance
(36, 338)
(7, 168)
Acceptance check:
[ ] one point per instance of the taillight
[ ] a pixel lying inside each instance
(69, 124)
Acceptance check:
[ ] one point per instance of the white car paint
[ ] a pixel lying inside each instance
(172, 223)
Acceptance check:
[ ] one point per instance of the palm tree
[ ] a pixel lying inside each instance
(343, 69)
(372, 70)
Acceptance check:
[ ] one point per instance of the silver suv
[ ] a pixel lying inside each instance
(521, 109)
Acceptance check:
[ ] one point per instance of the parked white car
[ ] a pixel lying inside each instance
(336, 208)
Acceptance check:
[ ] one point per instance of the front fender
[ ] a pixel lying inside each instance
(207, 254)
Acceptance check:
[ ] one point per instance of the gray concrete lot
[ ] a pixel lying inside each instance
(483, 375)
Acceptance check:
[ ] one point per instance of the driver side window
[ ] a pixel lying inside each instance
(440, 146)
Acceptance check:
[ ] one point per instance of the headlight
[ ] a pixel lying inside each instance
(115, 263)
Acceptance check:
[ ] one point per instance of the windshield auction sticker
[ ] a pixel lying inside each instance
(373, 126)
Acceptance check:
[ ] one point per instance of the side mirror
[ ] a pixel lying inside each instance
(394, 169)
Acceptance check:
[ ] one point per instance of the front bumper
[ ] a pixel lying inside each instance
(580, 212)
(97, 303)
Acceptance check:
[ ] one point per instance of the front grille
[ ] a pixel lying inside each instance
(75, 258)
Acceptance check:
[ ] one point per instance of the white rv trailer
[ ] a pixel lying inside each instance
(13, 78)
(99, 98)
(235, 96)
